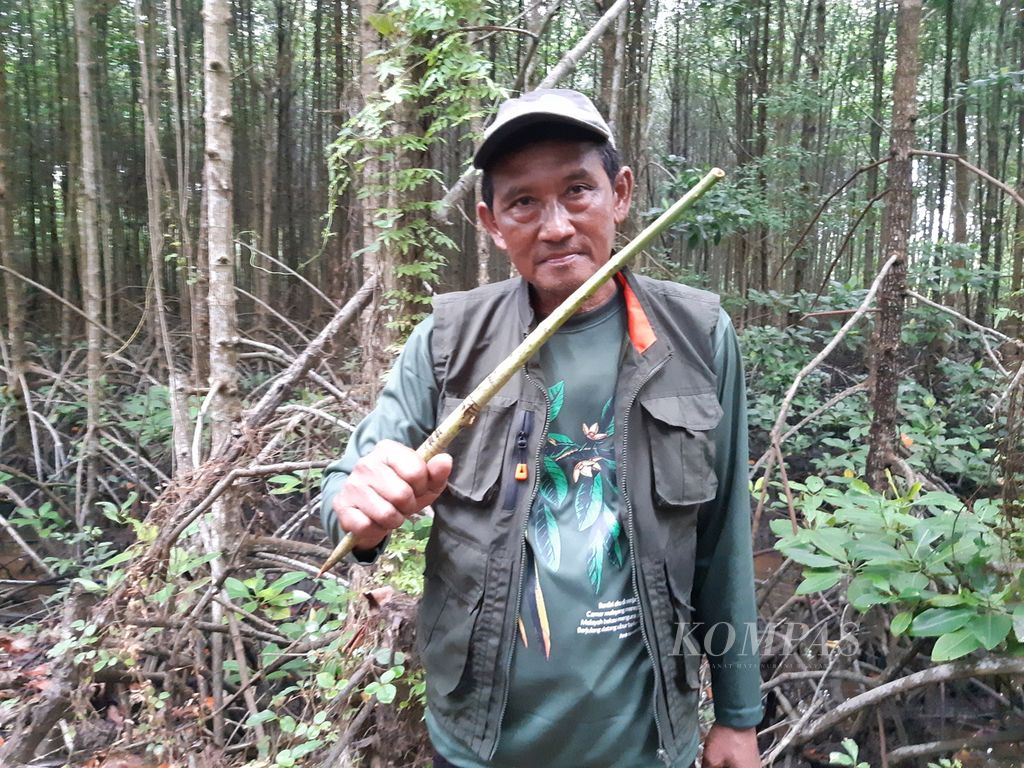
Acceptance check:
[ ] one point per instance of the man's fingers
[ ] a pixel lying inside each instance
(367, 533)
(439, 469)
(388, 485)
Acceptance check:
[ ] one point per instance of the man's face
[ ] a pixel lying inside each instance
(554, 213)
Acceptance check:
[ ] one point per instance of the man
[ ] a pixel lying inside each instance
(592, 529)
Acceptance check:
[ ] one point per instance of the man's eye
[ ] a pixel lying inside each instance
(521, 202)
(578, 189)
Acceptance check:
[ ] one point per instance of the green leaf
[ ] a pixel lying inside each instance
(814, 484)
(831, 541)
(235, 588)
(119, 558)
(386, 693)
(939, 621)
(946, 601)
(287, 579)
(901, 622)
(589, 502)
(384, 23)
(955, 645)
(263, 716)
(991, 628)
(554, 485)
(1018, 622)
(810, 559)
(613, 545)
(556, 395)
(325, 679)
(863, 592)
(546, 538)
(819, 581)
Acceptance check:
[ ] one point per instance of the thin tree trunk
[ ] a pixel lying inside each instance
(180, 128)
(878, 38)
(224, 525)
(91, 267)
(17, 363)
(371, 326)
(809, 133)
(961, 176)
(156, 187)
(884, 363)
(1017, 273)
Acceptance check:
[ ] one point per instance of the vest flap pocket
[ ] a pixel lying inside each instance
(478, 452)
(696, 412)
(682, 451)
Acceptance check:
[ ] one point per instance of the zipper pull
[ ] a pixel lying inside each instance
(522, 471)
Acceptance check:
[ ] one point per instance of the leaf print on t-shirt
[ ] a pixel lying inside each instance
(579, 470)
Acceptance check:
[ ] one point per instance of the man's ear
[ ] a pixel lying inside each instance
(623, 189)
(486, 217)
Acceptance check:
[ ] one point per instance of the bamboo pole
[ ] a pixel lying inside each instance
(465, 414)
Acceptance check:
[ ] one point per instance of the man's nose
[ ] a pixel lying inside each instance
(556, 224)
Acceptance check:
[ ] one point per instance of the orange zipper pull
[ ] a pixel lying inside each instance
(522, 472)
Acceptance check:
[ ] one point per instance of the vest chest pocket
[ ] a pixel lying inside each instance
(682, 448)
(478, 452)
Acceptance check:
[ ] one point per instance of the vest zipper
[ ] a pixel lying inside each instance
(522, 552)
(520, 454)
(630, 532)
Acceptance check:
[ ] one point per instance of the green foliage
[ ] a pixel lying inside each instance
(274, 599)
(432, 82)
(946, 566)
(849, 757)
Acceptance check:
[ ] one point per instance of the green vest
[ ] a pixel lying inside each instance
(665, 404)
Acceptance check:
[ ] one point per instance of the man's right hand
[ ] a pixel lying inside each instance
(386, 487)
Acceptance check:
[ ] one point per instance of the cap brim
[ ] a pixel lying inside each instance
(493, 142)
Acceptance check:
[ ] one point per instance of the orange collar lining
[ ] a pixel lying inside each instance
(641, 334)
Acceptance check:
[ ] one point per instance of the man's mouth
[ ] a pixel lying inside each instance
(561, 258)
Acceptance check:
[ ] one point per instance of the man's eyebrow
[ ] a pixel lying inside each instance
(519, 189)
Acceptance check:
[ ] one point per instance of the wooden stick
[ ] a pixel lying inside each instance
(466, 413)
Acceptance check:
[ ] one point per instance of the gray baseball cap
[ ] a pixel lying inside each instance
(544, 105)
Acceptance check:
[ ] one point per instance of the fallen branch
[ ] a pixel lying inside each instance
(942, 673)
(983, 740)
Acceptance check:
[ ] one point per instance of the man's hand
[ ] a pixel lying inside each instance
(387, 486)
(727, 747)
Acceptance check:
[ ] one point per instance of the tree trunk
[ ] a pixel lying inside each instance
(961, 176)
(91, 267)
(372, 331)
(884, 363)
(878, 38)
(1017, 273)
(13, 294)
(224, 525)
(808, 135)
(156, 187)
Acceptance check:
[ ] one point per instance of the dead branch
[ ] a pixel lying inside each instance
(1006, 188)
(942, 673)
(982, 740)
